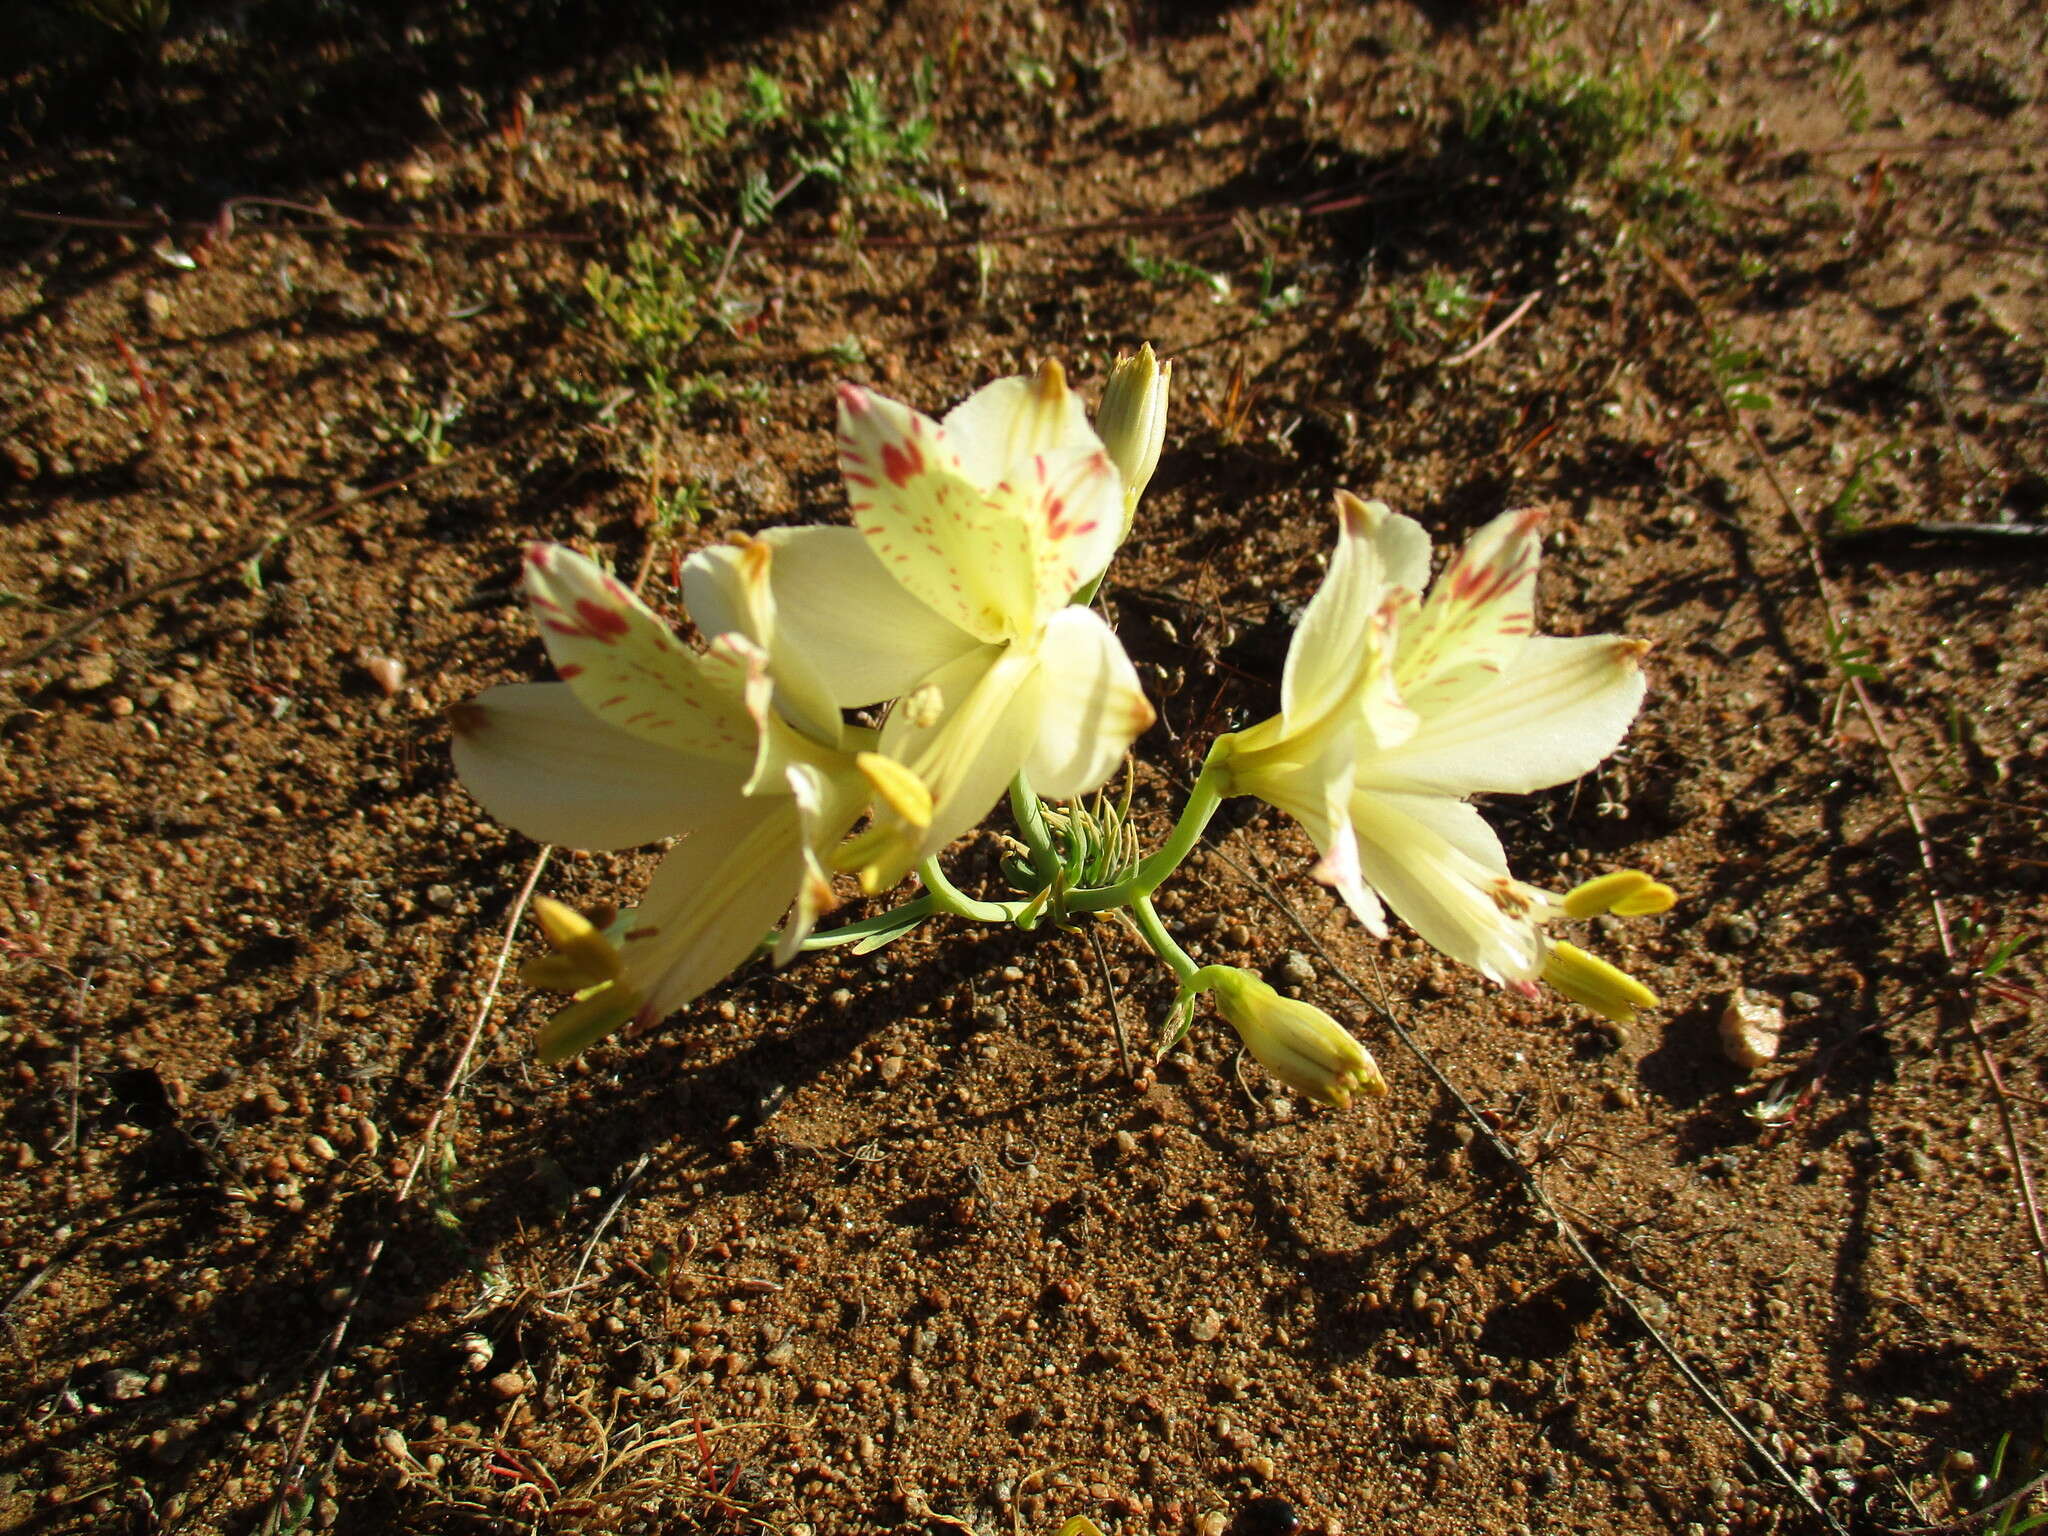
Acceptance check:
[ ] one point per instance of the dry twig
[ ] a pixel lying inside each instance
(289, 1480)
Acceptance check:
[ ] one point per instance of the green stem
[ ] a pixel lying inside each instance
(1029, 814)
(1154, 933)
(949, 898)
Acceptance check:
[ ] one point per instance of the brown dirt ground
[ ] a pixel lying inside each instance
(894, 1245)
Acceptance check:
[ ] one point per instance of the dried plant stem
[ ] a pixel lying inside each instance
(330, 1351)
(1495, 334)
(1532, 1186)
(1962, 997)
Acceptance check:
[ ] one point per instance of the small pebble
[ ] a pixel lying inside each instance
(1296, 969)
(1750, 1030)
(1738, 932)
(1207, 1328)
(122, 1385)
(387, 672)
(91, 673)
(509, 1384)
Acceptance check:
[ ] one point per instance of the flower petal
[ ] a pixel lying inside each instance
(827, 806)
(729, 590)
(1092, 709)
(1071, 505)
(966, 752)
(933, 528)
(1477, 617)
(1003, 424)
(626, 667)
(868, 637)
(715, 897)
(1560, 708)
(1439, 866)
(1341, 657)
(536, 759)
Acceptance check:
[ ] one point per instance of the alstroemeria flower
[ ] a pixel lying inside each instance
(735, 749)
(952, 594)
(1395, 707)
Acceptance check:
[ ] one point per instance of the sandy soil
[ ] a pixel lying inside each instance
(314, 314)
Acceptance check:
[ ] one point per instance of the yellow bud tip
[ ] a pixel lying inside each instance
(1050, 382)
(897, 787)
(1592, 983)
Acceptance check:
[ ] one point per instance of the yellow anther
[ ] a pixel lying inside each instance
(897, 787)
(583, 956)
(1593, 983)
(1626, 892)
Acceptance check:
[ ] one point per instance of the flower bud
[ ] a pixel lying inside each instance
(1132, 421)
(1298, 1044)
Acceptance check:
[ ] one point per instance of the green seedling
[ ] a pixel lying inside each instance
(1172, 272)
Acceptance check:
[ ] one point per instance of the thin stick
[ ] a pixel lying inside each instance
(1565, 1232)
(294, 1469)
(1495, 334)
(1959, 971)
(611, 1212)
(223, 223)
(1116, 1013)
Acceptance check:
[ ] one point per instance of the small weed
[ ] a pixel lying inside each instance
(2010, 1478)
(846, 354)
(1444, 305)
(655, 83)
(93, 387)
(1848, 656)
(1273, 299)
(1737, 372)
(1561, 122)
(1172, 272)
(136, 18)
(863, 147)
(1277, 45)
(683, 506)
(708, 118)
(1851, 91)
(1032, 75)
(757, 200)
(765, 102)
(1841, 518)
(650, 308)
(427, 431)
(1818, 12)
